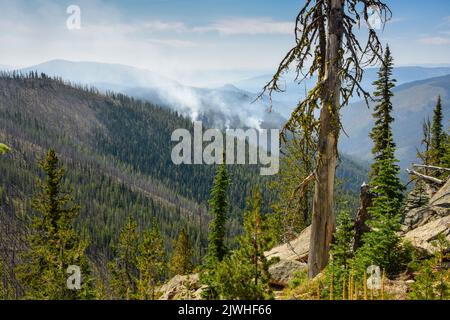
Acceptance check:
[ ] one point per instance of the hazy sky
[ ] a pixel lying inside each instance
(188, 40)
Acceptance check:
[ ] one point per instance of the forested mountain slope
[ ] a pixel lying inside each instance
(117, 154)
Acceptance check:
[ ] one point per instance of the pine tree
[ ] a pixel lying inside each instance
(244, 273)
(437, 150)
(295, 203)
(124, 271)
(381, 246)
(151, 263)
(54, 245)
(381, 133)
(181, 261)
(218, 211)
(341, 253)
(446, 158)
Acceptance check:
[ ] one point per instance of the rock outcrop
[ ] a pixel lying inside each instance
(423, 225)
(282, 272)
(186, 287)
(437, 208)
(296, 249)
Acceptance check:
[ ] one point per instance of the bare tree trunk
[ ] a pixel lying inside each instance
(365, 202)
(323, 219)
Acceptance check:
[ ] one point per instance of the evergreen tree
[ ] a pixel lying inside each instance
(54, 245)
(446, 157)
(341, 253)
(437, 150)
(433, 279)
(124, 271)
(181, 261)
(151, 263)
(381, 133)
(381, 246)
(294, 204)
(244, 274)
(218, 211)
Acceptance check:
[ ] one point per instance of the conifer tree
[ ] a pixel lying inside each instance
(244, 273)
(218, 211)
(54, 245)
(124, 272)
(341, 252)
(446, 158)
(151, 263)
(181, 261)
(381, 246)
(437, 135)
(381, 133)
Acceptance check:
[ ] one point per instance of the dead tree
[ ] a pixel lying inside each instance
(365, 202)
(430, 179)
(326, 46)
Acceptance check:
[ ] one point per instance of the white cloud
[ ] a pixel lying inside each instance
(248, 26)
(435, 41)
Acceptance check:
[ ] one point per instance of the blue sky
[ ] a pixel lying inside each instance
(196, 41)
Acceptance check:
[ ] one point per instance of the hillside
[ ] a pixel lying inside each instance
(413, 102)
(117, 153)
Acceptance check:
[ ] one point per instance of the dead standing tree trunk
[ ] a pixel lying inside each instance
(324, 36)
(323, 219)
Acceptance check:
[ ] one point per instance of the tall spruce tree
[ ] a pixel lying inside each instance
(54, 244)
(244, 273)
(437, 150)
(124, 271)
(381, 133)
(181, 261)
(218, 211)
(151, 263)
(381, 245)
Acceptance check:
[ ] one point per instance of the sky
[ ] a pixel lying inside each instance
(197, 41)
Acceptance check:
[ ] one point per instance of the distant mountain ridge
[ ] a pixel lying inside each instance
(232, 105)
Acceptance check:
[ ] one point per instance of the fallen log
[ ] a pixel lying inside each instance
(430, 167)
(434, 180)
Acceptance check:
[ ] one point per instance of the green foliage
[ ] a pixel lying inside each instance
(244, 273)
(53, 244)
(433, 279)
(151, 263)
(4, 148)
(181, 261)
(218, 211)
(294, 202)
(381, 133)
(381, 246)
(437, 150)
(341, 253)
(124, 270)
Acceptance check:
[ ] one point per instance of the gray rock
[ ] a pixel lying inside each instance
(283, 272)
